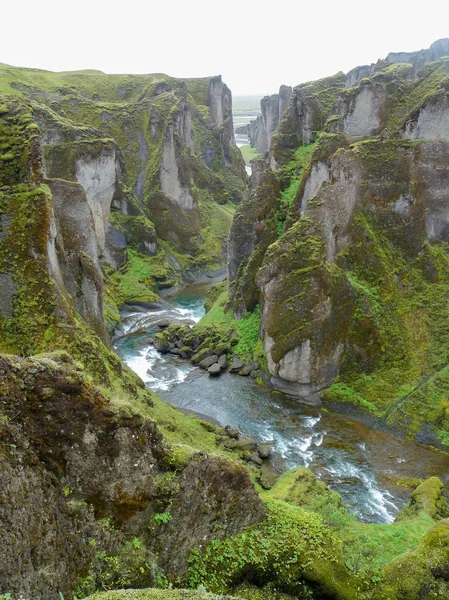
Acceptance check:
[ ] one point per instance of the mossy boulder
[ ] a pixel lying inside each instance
(422, 574)
(427, 497)
(291, 549)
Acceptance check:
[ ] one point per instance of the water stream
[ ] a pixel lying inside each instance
(362, 464)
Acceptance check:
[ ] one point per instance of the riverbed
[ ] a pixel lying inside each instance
(362, 464)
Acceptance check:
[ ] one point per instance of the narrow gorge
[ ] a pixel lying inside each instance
(218, 377)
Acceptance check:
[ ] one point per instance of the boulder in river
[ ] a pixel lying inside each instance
(186, 352)
(223, 361)
(161, 343)
(246, 370)
(201, 355)
(214, 370)
(208, 362)
(255, 458)
(232, 432)
(236, 365)
(264, 450)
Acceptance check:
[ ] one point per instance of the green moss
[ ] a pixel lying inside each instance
(156, 594)
(143, 275)
(243, 333)
(367, 548)
(420, 574)
(249, 153)
(291, 548)
(301, 488)
(427, 498)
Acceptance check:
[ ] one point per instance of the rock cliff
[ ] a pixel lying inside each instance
(81, 480)
(353, 291)
(134, 170)
(263, 128)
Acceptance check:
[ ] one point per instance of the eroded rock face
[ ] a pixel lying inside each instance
(420, 58)
(431, 121)
(308, 108)
(355, 76)
(73, 471)
(73, 252)
(265, 126)
(66, 460)
(252, 231)
(98, 176)
(364, 114)
(219, 100)
(221, 501)
(377, 172)
(171, 184)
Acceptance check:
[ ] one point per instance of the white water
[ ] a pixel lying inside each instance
(296, 437)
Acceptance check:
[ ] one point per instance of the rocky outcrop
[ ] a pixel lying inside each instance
(73, 252)
(265, 126)
(219, 101)
(430, 121)
(420, 58)
(216, 491)
(253, 230)
(369, 205)
(355, 76)
(309, 107)
(364, 112)
(417, 59)
(177, 191)
(79, 480)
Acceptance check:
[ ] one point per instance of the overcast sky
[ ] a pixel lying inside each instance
(255, 46)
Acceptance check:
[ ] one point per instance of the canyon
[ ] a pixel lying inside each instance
(116, 191)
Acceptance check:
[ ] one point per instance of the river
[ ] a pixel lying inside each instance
(362, 464)
(244, 110)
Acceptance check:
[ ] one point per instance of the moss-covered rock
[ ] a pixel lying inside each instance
(428, 498)
(422, 574)
(291, 548)
(86, 477)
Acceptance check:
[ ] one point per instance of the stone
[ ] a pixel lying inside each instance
(255, 458)
(208, 362)
(201, 355)
(232, 432)
(246, 444)
(235, 365)
(161, 344)
(186, 352)
(214, 370)
(223, 361)
(268, 476)
(7, 291)
(264, 450)
(246, 370)
(230, 444)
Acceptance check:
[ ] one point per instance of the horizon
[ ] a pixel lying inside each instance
(254, 55)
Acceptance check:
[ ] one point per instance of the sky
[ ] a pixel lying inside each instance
(256, 47)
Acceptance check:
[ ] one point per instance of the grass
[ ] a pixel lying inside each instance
(246, 329)
(367, 548)
(249, 153)
(155, 594)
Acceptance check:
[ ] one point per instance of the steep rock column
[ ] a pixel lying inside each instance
(219, 100)
(253, 229)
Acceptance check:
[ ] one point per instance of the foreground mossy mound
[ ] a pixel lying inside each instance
(292, 547)
(156, 594)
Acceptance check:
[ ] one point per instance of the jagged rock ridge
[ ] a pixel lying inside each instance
(362, 240)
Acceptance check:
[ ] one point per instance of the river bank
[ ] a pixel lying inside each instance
(372, 469)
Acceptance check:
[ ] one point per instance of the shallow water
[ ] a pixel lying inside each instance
(362, 464)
